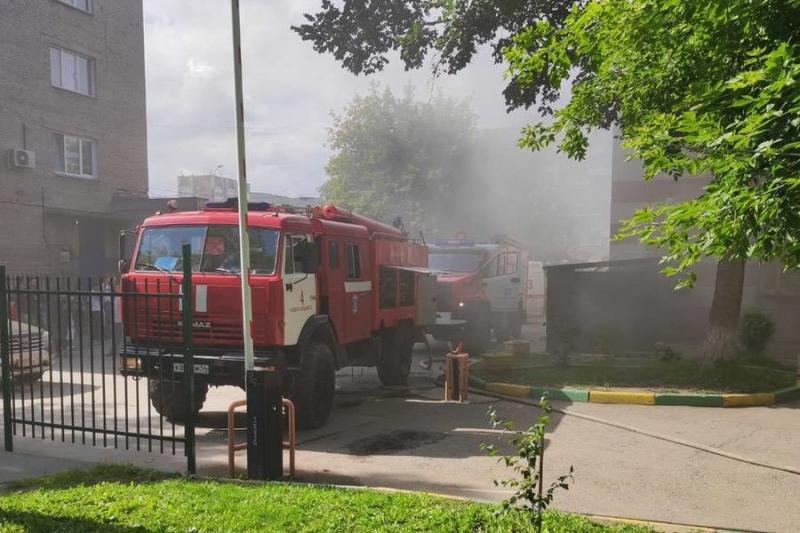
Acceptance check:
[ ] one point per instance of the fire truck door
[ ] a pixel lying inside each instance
(299, 289)
(357, 293)
(505, 281)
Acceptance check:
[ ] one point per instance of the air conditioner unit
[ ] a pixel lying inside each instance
(22, 158)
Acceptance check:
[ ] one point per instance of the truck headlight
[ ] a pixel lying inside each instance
(130, 363)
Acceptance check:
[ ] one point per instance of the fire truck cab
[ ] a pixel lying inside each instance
(330, 289)
(481, 289)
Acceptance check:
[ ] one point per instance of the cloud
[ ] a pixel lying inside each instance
(289, 93)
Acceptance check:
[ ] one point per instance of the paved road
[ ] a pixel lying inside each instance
(657, 466)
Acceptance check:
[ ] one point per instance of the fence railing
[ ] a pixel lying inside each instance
(66, 366)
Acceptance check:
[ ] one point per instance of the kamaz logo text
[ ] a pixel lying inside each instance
(197, 324)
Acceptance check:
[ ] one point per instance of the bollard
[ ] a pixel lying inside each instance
(264, 429)
(233, 447)
(456, 386)
(518, 347)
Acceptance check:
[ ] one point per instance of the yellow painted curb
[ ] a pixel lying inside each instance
(633, 398)
(748, 400)
(509, 389)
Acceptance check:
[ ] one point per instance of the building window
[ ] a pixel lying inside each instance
(83, 5)
(75, 156)
(72, 71)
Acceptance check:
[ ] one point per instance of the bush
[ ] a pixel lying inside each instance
(530, 498)
(755, 331)
(665, 352)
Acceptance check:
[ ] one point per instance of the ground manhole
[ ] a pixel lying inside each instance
(393, 442)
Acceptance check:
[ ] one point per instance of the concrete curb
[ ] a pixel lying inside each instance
(631, 398)
(757, 399)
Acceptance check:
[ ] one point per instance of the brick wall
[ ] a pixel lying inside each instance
(32, 111)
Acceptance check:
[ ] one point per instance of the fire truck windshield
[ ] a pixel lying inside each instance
(214, 249)
(455, 261)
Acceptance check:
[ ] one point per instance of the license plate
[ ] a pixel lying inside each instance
(198, 368)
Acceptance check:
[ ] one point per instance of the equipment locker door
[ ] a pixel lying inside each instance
(334, 285)
(358, 292)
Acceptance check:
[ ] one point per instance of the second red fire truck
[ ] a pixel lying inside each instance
(330, 289)
(482, 288)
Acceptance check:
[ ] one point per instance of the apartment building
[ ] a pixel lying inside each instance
(72, 131)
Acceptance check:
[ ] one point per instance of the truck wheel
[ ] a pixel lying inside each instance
(476, 336)
(516, 325)
(169, 399)
(314, 386)
(394, 359)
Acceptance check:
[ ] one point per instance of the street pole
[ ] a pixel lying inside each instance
(264, 405)
(244, 242)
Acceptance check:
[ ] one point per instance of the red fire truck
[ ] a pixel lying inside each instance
(330, 289)
(481, 289)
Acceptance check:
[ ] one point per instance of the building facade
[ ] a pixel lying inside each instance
(72, 131)
(212, 187)
(628, 300)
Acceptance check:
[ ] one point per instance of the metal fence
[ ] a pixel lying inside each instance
(63, 376)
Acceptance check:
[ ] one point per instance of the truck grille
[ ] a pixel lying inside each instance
(24, 344)
(172, 331)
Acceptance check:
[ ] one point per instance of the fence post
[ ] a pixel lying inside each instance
(5, 353)
(188, 357)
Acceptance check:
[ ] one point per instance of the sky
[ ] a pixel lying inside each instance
(290, 92)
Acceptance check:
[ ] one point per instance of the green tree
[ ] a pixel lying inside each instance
(399, 157)
(696, 87)
(361, 34)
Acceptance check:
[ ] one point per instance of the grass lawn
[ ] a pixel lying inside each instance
(120, 499)
(649, 373)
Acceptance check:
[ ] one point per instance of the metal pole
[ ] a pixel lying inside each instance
(5, 349)
(188, 357)
(244, 242)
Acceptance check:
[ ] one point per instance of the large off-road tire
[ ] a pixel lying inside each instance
(314, 386)
(516, 324)
(170, 401)
(394, 358)
(476, 335)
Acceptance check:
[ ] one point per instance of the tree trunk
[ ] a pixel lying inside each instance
(722, 338)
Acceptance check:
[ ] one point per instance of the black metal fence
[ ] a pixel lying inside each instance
(64, 378)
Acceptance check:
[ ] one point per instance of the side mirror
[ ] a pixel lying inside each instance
(123, 264)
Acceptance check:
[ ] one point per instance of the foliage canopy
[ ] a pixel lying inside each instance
(696, 87)
(399, 156)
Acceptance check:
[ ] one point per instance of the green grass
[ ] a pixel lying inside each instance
(644, 373)
(120, 499)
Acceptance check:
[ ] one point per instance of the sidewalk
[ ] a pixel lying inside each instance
(19, 465)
